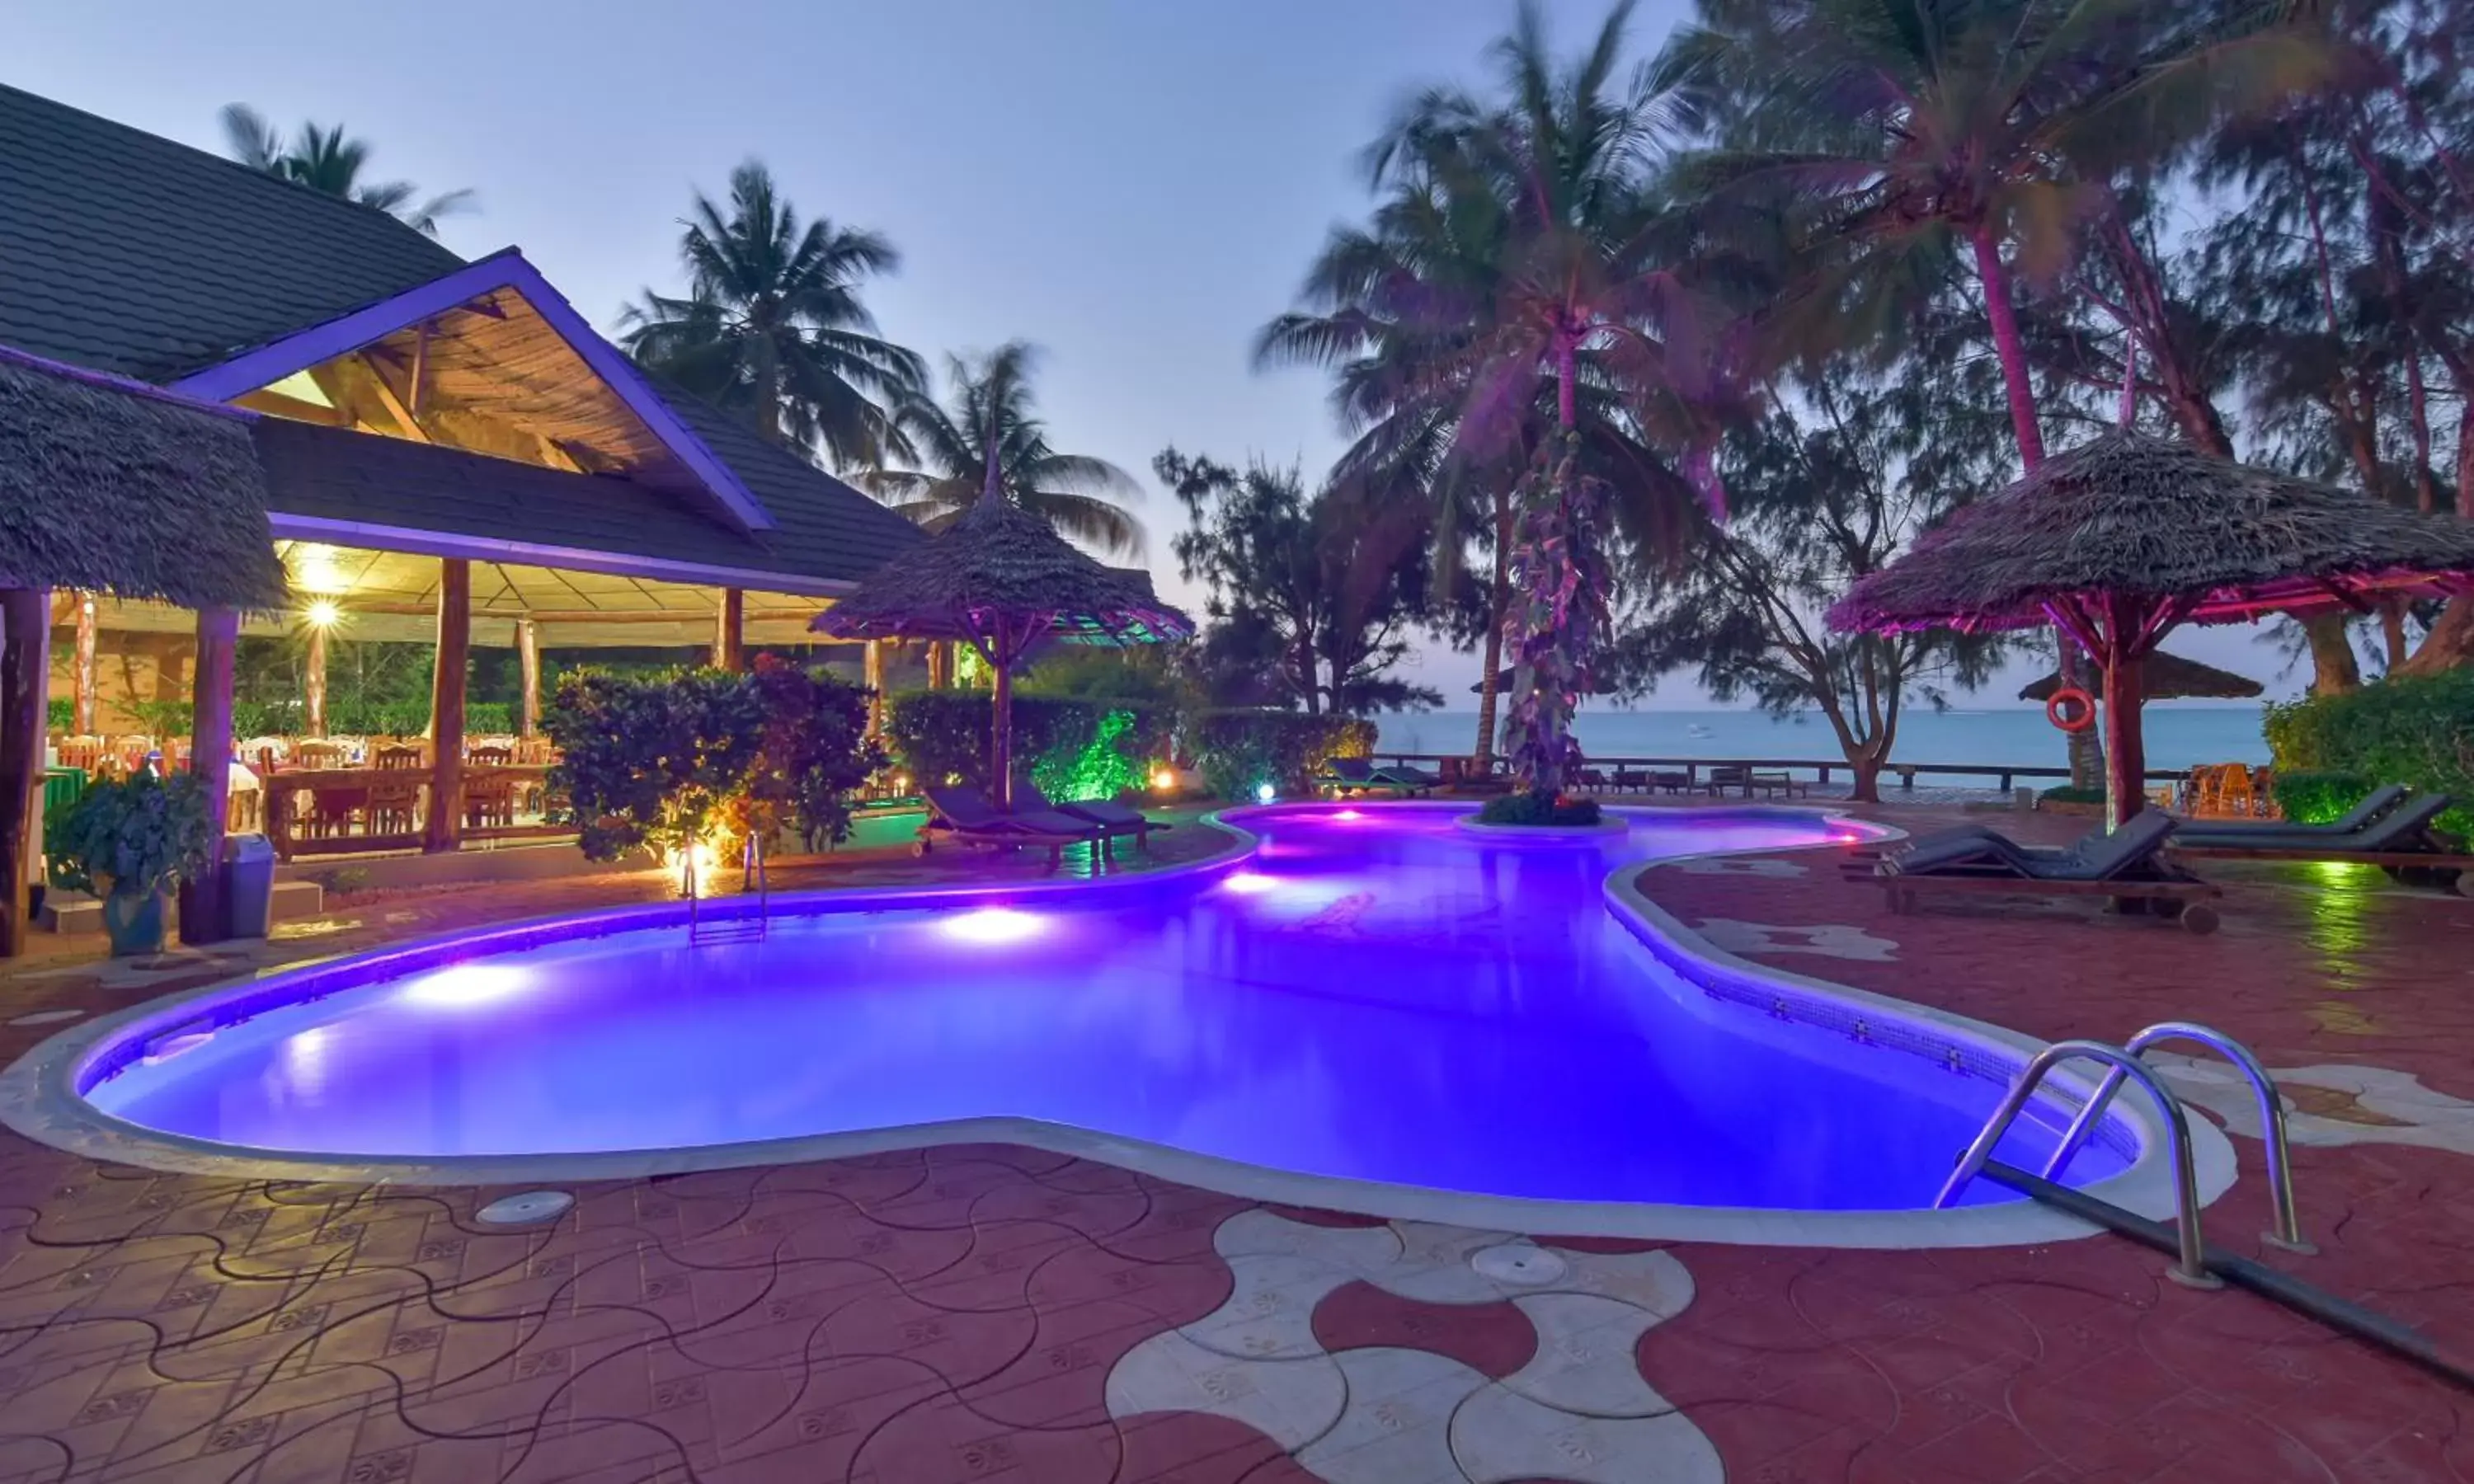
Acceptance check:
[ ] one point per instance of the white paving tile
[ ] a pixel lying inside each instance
(1583, 1362)
(1397, 1426)
(1652, 1280)
(1291, 1401)
(1270, 1311)
(1498, 1435)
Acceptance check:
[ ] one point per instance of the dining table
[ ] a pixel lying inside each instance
(349, 788)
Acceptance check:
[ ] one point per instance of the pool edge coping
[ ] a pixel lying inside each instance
(40, 1096)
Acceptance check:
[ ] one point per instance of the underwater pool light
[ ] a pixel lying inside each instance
(992, 925)
(466, 984)
(1265, 793)
(1251, 883)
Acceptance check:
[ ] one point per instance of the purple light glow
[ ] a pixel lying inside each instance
(1394, 1000)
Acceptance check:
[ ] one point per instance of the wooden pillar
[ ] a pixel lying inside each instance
(313, 682)
(940, 665)
(210, 755)
(86, 722)
(528, 664)
(1001, 723)
(729, 633)
(873, 675)
(25, 679)
(2125, 749)
(444, 829)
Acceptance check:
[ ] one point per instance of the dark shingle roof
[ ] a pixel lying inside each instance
(127, 253)
(333, 474)
(124, 251)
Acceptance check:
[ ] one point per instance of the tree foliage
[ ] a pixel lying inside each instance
(988, 432)
(327, 159)
(1835, 482)
(1313, 598)
(773, 326)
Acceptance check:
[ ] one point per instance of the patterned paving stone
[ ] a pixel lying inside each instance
(988, 1312)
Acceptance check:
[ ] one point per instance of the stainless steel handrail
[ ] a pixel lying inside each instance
(2191, 1264)
(2271, 1120)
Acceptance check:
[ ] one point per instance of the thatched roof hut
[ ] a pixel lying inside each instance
(115, 487)
(999, 577)
(1000, 566)
(2124, 538)
(2167, 678)
(2141, 518)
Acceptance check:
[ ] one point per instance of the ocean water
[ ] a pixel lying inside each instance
(2179, 734)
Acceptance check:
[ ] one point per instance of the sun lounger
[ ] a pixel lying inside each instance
(1115, 819)
(967, 817)
(2378, 804)
(2401, 842)
(2126, 866)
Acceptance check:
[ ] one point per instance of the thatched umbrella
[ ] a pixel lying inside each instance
(2167, 678)
(2125, 538)
(999, 577)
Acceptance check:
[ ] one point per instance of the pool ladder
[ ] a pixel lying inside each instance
(746, 921)
(2192, 1262)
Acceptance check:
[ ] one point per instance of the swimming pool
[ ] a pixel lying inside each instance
(1371, 996)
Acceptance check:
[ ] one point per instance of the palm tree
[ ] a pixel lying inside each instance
(987, 437)
(772, 325)
(1513, 308)
(1890, 133)
(328, 161)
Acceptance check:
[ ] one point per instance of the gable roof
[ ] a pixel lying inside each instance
(124, 251)
(632, 414)
(352, 488)
(127, 253)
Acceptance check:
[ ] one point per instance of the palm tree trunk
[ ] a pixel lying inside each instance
(2087, 755)
(1498, 613)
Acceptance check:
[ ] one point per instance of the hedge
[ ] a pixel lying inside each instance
(1238, 751)
(368, 718)
(1074, 748)
(2319, 797)
(2417, 730)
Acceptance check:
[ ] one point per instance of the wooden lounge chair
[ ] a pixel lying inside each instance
(2401, 841)
(2126, 866)
(1116, 819)
(1341, 776)
(965, 816)
(2378, 804)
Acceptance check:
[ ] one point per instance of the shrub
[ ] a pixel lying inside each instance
(651, 760)
(2417, 730)
(1538, 807)
(816, 751)
(137, 835)
(942, 735)
(2320, 797)
(59, 715)
(1237, 749)
(2070, 794)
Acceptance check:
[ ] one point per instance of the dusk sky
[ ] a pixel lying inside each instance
(1135, 185)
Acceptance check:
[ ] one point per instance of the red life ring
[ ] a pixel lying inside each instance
(2082, 706)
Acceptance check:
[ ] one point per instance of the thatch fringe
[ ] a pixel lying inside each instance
(2137, 515)
(2164, 677)
(116, 487)
(1000, 563)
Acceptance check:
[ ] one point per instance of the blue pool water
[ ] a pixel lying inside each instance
(1380, 996)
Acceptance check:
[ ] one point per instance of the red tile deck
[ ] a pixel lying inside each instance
(956, 1314)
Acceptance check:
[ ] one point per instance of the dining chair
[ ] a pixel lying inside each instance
(398, 759)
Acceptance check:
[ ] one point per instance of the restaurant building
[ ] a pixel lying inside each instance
(444, 451)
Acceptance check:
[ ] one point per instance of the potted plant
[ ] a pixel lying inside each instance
(129, 843)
